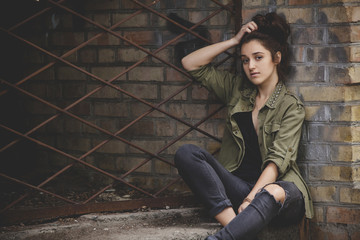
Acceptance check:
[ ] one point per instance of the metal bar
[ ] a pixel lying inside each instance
(82, 120)
(172, 142)
(116, 35)
(76, 48)
(36, 188)
(174, 22)
(99, 79)
(39, 186)
(158, 152)
(27, 216)
(224, 6)
(32, 17)
(152, 109)
(97, 89)
(74, 158)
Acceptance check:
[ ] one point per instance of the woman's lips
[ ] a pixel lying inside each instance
(254, 74)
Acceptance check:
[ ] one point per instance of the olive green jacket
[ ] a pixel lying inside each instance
(280, 123)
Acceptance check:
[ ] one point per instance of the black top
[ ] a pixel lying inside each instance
(250, 168)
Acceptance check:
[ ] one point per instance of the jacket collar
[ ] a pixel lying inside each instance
(251, 92)
(273, 100)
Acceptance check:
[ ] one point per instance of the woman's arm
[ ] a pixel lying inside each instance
(269, 175)
(206, 54)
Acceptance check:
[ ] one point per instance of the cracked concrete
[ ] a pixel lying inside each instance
(187, 223)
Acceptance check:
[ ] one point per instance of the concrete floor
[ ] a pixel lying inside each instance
(187, 223)
(166, 224)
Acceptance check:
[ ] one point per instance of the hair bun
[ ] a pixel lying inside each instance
(273, 25)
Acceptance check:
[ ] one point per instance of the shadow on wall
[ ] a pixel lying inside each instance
(324, 63)
(184, 48)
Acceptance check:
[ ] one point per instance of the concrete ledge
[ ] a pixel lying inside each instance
(171, 224)
(187, 223)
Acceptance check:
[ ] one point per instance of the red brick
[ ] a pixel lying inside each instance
(88, 55)
(113, 146)
(220, 114)
(192, 111)
(107, 164)
(179, 3)
(147, 74)
(252, 3)
(173, 75)
(105, 39)
(143, 37)
(74, 143)
(67, 38)
(162, 167)
(355, 235)
(199, 93)
(131, 54)
(127, 163)
(343, 215)
(142, 128)
(300, 2)
(111, 109)
(82, 108)
(220, 19)
(102, 5)
(143, 91)
(108, 73)
(140, 20)
(105, 92)
(328, 232)
(132, 5)
(166, 91)
(147, 145)
(165, 128)
(106, 55)
(216, 35)
(73, 90)
(137, 109)
(69, 73)
(109, 124)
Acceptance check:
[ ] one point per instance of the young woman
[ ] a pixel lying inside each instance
(256, 179)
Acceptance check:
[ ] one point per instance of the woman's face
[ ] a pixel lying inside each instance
(258, 63)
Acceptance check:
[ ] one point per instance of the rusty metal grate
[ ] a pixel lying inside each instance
(18, 135)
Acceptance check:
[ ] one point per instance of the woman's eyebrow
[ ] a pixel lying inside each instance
(242, 55)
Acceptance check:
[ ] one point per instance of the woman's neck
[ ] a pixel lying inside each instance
(265, 90)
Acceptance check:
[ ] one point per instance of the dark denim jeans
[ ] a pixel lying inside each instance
(218, 189)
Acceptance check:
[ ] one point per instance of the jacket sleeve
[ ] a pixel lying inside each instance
(284, 148)
(219, 82)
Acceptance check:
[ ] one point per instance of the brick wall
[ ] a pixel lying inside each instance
(152, 80)
(326, 53)
(325, 42)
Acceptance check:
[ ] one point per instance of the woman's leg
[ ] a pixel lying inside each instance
(216, 187)
(265, 207)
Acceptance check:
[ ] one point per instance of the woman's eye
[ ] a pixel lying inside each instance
(244, 61)
(258, 57)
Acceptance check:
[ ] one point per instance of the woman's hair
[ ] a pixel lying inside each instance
(273, 32)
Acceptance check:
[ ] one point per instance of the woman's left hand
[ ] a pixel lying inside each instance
(243, 206)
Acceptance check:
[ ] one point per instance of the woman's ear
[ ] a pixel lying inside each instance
(277, 59)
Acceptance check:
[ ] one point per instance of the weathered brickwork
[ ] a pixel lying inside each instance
(325, 44)
(326, 75)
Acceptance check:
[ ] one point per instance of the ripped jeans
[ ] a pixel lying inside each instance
(218, 189)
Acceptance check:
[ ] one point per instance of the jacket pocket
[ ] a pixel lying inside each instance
(271, 128)
(270, 133)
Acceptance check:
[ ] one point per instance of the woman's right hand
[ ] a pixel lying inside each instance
(246, 28)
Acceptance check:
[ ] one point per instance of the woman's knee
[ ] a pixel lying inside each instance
(183, 154)
(276, 191)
